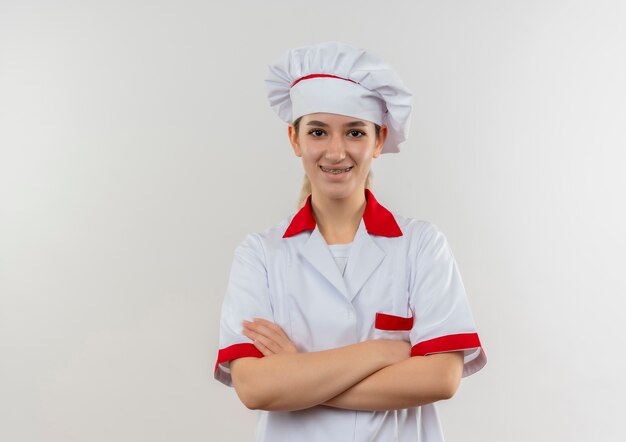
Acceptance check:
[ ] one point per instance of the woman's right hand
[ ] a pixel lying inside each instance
(268, 338)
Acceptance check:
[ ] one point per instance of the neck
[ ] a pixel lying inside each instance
(338, 219)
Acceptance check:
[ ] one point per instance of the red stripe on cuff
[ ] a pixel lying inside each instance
(236, 351)
(442, 344)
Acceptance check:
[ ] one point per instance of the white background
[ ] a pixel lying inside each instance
(137, 149)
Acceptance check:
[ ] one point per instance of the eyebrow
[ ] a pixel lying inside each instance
(322, 124)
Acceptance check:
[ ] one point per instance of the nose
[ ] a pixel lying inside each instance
(336, 151)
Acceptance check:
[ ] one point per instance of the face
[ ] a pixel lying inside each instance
(329, 144)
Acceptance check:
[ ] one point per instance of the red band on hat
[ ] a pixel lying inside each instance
(307, 77)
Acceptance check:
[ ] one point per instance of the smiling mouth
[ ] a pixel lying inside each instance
(336, 171)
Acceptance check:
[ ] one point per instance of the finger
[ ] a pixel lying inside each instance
(268, 324)
(272, 331)
(265, 340)
(265, 331)
(262, 348)
(283, 346)
(280, 337)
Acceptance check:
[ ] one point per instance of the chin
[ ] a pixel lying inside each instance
(340, 192)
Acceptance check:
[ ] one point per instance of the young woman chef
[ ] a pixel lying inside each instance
(344, 322)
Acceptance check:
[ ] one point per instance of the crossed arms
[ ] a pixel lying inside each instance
(377, 374)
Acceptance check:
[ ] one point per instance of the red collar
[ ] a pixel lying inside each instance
(377, 219)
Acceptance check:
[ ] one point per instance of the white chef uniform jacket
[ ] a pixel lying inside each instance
(401, 282)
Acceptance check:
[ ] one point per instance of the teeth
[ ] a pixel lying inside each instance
(336, 171)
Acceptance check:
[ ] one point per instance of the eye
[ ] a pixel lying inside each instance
(316, 132)
(356, 133)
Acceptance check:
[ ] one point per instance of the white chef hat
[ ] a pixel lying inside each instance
(338, 78)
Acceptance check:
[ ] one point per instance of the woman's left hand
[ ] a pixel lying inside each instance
(268, 337)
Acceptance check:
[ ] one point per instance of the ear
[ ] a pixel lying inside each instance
(380, 141)
(293, 139)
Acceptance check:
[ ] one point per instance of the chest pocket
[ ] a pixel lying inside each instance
(385, 308)
(392, 326)
(389, 322)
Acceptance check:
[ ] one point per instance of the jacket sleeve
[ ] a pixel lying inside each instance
(443, 320)
(247, 297)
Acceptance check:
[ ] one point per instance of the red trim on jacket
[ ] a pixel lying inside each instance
(378, 220)
(385, 321)
(306, 77)
(462, 341)
(236, 351)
